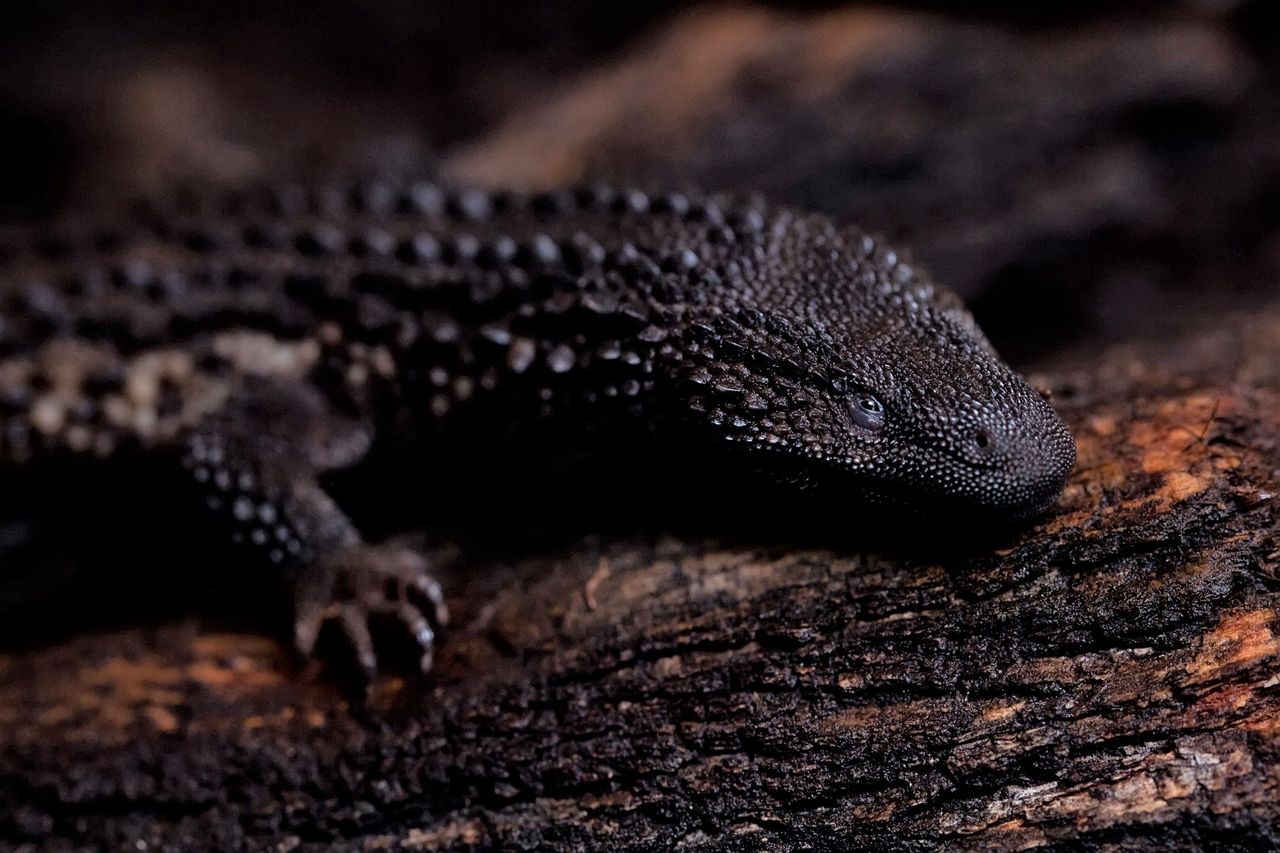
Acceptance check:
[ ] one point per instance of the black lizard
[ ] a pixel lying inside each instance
(264, 337)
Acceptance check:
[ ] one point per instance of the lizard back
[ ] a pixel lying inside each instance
(758, 328)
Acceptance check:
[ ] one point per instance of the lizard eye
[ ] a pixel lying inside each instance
(867, 411)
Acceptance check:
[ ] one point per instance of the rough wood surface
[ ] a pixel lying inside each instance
(1110, 675)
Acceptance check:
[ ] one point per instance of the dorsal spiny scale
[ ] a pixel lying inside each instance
(558, 302)
(634, 264)
(498, 252)
(469, 205)
(543, 250)
(132, 274)
(373, 243)
(594, 197)
(706, 211)
(371, 197)
(405, 332)
(682, 261)
(600, 302)
(562, 358)
(319, 241)
(624, 256)
(462, 248)
(582, 253)
(652, 334)
(496, 333)
(748, 222)
(521, 354)
(676, 204)
(721, 236)
(421, 198)
(421, 248)
(169, 285)
(631, 202)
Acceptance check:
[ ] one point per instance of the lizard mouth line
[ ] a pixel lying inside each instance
(921, 498)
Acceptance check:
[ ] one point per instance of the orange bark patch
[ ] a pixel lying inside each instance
(1241, 639)
(112, 698)
(1265, 721)
(1176, 429)
(999, 713)
(1103, 425)
(235, 660)
(162, 719)
(865, 717)
(1172, 443)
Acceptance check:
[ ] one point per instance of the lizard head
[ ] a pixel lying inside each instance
(872, 378)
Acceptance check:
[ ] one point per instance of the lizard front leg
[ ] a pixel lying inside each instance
(257, 463)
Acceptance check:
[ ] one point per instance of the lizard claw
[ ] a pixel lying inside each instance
(429, 589)
(375, 597)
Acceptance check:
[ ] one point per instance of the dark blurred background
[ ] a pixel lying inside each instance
(1083, 173)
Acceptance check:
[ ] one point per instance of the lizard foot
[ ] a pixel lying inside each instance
(369, 590)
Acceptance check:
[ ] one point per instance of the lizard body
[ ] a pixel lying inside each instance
(265, 337)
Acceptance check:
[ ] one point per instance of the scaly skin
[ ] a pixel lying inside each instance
(263, 338)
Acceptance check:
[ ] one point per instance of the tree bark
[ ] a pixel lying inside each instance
(1108, 677)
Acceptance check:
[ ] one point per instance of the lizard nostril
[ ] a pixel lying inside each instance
(983, 441)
